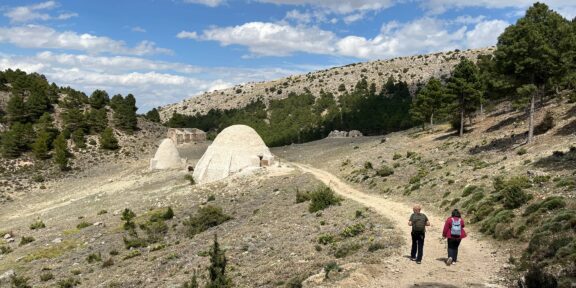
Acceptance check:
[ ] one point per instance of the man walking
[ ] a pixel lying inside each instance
(418, 221)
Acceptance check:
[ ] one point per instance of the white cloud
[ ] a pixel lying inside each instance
(485, 33)
(338, 6)
(273, 39)
(23, 14)
(566, 8)
(187, 35)
(422, 35)
(138, 29)
(153, 83)
(353, 18)
(467, 19)
(209, 3)
(35, 36)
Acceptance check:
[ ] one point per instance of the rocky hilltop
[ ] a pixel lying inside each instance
(414, 70)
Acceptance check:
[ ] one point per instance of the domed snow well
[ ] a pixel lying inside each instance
(237, 148)
(166, 157)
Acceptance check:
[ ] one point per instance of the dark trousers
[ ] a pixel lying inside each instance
(417, 245)
(453, 248)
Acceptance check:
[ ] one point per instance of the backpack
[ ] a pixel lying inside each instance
(456, 229)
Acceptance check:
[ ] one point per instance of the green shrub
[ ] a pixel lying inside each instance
(322, 198)
(531, 209)
(94, 258)
(68, 283)
(347, 249)
(450, 181)
(206, 217)
(376, 246)
(5, 249)
(489, 225)
(134, 242)
(302, 196)
(102, 212)
(295, 282)
(411, 154)
(469, 190)
(47, 276)
(536, 278)
(396, 156)
(541, 179)
(483, 210)
(331, 266)
(26, 239)
(553, 203)
(162, 214)
(384, 171)
(19, 282)
(514, 197)
(566, 182)
(107, 263)
(521, 151)
(368, 165)
(326, 239)
(37, 225)
(454, 201)
(132, 254)
(83, 225)
(353, 230)
(446, 194)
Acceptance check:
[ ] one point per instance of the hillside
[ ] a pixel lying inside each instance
(414, 70)
(270, 230)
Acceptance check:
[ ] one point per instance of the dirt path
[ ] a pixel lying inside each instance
(477, 265)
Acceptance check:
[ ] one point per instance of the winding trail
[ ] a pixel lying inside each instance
(478, 266)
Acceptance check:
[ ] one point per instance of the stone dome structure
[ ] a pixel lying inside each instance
(237, 148)
(166, 157)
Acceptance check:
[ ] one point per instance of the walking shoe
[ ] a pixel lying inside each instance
(418, 262)
(412, 259)
(449, 261)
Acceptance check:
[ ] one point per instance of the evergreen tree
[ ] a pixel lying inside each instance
(61, 153)
(153, 115)
(9, 145)
(74, 119)
(99, 99)
(107, 140)
(464, 87)
(96, 120)
(217, 269)
(78, 138)
(528, 53)
(16, 109)
(429, 102)
(41, 146)
(116, 101)
(193, 282)
(37, 103)
(125, 113)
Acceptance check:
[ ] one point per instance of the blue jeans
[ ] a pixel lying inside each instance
(417, 245)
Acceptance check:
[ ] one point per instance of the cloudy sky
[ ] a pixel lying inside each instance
(165, 50)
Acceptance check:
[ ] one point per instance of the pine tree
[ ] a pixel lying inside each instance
(41, 146)
(99, 99)
(96, 120)
(153, 115)
(74, 119)
(46, 125)
(9, 145)
(16, 109)
(429, 102)
(78, 138)
(37, 103)
(107, 140)
(528, 53)
(125, 113)
(464, 87)
(217, 269)
(61, 153)
(193, 282)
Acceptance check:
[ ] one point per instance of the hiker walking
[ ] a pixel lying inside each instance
(418, 221)
(454, 232)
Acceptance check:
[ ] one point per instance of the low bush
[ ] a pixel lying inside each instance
(302, 196)
(489, 224)
(384, 171)
(347, 249)
(38, 224)
(331, 266)
(134, 242)
(469, 190)
(83, 225)
(396, 156)
(107, 263)
(5, 249)
(190, 179)
(353, 230)
(47, 276)
(26, 239)
(68, 283)
(132, 254)
(155, 230)
(206, 217)
(162, 214)
(521, 151)
(322, 198)
(376, 246)
(326, 239)
(19, 282)
(368, 165)
(94, 258)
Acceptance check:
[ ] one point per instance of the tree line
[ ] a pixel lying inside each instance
(535, 59)
(35, 106)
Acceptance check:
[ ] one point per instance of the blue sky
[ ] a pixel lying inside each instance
(163, 51)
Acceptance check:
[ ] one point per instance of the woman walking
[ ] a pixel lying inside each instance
(454, 232)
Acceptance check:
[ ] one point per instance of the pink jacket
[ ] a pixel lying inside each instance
(448, 227)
